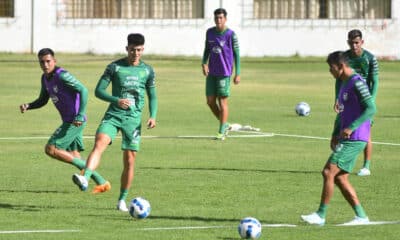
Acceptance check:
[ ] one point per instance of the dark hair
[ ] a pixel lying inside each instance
(220, 11)
(336, 58)
(353, 34)
(45, 51)
(136, 39)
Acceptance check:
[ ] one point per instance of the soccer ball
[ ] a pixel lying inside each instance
(303, 109)
(139, 208)
(249, 228)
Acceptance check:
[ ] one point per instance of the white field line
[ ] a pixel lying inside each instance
(371, 223)
(208, 227)
(249, 134)
(37, 231)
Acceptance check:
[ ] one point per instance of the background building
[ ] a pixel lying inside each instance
(177, 27)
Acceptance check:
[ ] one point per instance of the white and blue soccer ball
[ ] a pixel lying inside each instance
(139, 208)
(249, 228)
(303, 109)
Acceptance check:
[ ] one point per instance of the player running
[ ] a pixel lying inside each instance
(220, 51)
(356, 108)
(365, 64)
(70, 97)
(130, 79)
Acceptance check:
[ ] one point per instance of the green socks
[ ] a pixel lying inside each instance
(80, 164)
(359, 211)
(223, 127)
(322, 210)
(367, 162)
(123, 194)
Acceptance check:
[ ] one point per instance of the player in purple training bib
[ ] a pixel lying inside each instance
(221, 52)
(69, 96)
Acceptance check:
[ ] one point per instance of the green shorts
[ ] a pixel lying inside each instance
(68, 137)
(345, 154)
(218, 86)
(130, 128)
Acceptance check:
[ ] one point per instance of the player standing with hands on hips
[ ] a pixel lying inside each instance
(356, 108)
(130, 79)
(70, 97)
(220, 52)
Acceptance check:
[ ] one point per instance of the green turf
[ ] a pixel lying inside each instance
(197, 182)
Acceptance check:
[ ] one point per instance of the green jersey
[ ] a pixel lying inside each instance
(128, 82)
(367, 66)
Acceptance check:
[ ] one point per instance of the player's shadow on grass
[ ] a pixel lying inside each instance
(20, 207)
(32, 191)
(206, 219)
(234, 170)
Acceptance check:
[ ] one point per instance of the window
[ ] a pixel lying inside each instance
(6, 8)
(131, 9)
(322, 9)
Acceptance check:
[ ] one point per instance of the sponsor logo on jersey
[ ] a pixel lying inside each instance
(222, 43)
(55, 89)
(345, 96)
(54, 99)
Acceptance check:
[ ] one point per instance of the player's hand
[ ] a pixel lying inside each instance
(334, 142)
(345, 134)
(77, 123)
(23, 107)
(205, 69)
(124, 103)
(151, 123)
(336, 107)
(236, 79)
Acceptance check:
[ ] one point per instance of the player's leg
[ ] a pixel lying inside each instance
(126, 178)
(223, 92)
(211, 95)
(131, 131)
(212, 104)
(365, 170)
(66, 144)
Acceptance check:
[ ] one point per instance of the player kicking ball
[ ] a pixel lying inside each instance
(130, 79)
(69, 96)
(350, 135)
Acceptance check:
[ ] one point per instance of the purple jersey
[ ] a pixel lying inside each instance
(350, 105)
(220, 47)
(65, 99)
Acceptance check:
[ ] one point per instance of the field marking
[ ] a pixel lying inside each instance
(37, 231)
(208, 227)
(249, 134)
(370, 223)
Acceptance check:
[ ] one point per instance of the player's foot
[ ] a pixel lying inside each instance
(357, 221)
(313, 218)
(364, 172)
(220, 137)
(121, 206)
(80, 181)
(102, 188)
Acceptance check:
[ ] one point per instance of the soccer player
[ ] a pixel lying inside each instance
(365, 64)
(130, 79)
(220, 51)
(69, 96)
(356, 107)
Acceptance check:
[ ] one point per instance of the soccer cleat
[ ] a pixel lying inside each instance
(356, 221)
(80, 181)
(121, 206)
(364, 172)
(313, 218)
(102, 188)
(220, 137)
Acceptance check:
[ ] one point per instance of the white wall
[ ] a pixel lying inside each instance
(186, 37)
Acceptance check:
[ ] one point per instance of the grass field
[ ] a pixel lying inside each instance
(198, 188)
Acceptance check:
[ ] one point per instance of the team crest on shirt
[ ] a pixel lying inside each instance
(55, 89)
(217, 50)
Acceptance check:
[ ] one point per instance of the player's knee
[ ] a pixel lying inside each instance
(50, 150)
